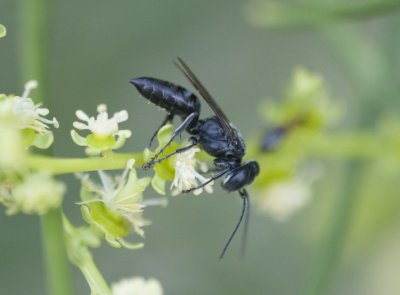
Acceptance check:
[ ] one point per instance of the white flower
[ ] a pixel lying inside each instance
(105, 135)
(30, 115)
(186, 176)
(284, 198)
(137, 286)
(37, 194)
(103, 126)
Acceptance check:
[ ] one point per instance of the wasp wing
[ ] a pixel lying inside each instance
(206, 96)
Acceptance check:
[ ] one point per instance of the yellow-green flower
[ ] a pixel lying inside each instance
(115, 208)
(303, 114)
(306, 100)
(164, 170)
(178, 169)
(27, 117)
(105, 134)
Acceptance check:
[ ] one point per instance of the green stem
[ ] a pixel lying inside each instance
(58, 275)
(366, 146)
(34, 20)
(365, 89)
(74, 165)
(94, 278)
(337, 234)
(34, 34)
(278, 14)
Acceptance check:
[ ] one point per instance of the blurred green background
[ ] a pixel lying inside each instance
(96, 47)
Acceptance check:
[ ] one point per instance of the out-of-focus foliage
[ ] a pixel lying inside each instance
(306, 110)
(3, 31)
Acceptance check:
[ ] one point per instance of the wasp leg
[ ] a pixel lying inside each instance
(192, 143)
(189, 119)
(214, 177)
(244, 194)
(244, 213)
(168, 119)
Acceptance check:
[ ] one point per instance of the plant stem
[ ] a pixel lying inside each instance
(74, 165)
(337, 233)
(278, 14)
(34, 19)
(365, 146)
(58, 275)
(368, 91)
(34, 38)
(94, 278)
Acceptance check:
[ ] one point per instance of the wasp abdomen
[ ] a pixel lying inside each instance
(171, 97)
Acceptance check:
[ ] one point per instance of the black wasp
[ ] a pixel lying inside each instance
(214, 134)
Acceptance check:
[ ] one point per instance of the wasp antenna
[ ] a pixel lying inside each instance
(245, 199)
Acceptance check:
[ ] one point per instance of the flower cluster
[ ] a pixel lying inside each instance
(306, 100)
(22, 125)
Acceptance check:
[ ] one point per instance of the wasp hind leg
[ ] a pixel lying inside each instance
(244, 215)
(168, 119)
